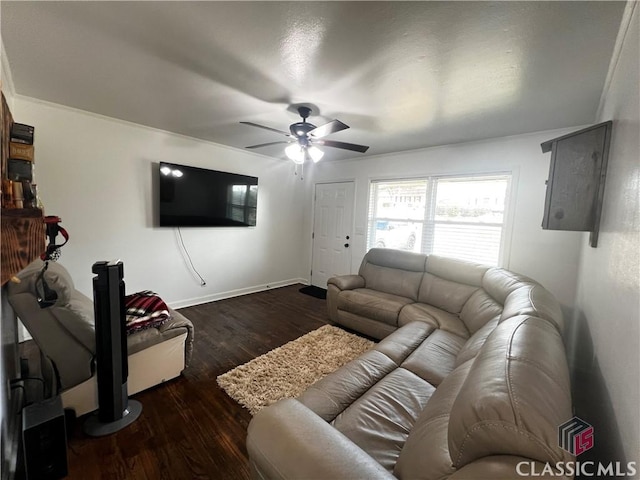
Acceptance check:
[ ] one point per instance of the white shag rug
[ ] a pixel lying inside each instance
(287, 371)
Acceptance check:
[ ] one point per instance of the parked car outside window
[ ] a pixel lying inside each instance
(398, 235)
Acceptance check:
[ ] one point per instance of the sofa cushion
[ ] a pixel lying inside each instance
(77, 319)
(377, 305)
(331, 395)
(400, 259)
(379, 422)
(499, 283)
(435, 357)
(445, 294)
(401, 343)
(175, 326)
(393, 271)
(64, 334)
(421, 312)
(364, 325)
(334, 393)
(448, 283)
(425, 453)
(533, 299)
(516, 394)
(475, 342)
(392, 280)
(56, 276)
(459, 271)
(479, 309)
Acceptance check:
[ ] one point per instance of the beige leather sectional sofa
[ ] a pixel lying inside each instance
(470, 380)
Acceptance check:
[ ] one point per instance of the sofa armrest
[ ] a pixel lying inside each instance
(347, 282)
(288, 441)
(337, 284)
(180, 321)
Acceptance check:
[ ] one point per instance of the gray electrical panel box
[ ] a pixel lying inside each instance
(575, 187)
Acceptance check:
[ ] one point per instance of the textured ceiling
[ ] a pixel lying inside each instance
(403, 75)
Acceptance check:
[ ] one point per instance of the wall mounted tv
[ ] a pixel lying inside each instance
(197, 197)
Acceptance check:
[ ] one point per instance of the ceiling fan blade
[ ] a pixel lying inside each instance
(266, 128)
(266, 144)
(328, 128)
(343, 145)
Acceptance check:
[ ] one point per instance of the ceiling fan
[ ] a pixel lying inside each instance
(304, 138)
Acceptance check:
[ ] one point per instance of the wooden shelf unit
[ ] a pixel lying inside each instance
(23, 239)
(23, 231)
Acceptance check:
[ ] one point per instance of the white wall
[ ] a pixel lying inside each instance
(550, 257)
(96, 174)
(6, 80)
(608, 294)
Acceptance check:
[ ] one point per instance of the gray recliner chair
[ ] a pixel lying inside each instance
(65, 334)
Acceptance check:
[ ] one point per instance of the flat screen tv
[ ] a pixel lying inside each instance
(197, 197)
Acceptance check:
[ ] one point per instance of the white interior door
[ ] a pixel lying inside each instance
(332, 224)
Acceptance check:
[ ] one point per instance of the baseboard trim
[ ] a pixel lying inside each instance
(236, 293)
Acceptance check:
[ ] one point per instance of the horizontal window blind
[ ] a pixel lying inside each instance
(459, 217)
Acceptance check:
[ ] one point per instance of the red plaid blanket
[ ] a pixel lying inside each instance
(145, 310)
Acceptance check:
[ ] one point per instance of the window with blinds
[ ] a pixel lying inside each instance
(460, 217)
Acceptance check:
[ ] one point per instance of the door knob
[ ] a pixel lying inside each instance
(346, 245)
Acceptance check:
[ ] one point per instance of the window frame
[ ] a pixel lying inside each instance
(428, 219)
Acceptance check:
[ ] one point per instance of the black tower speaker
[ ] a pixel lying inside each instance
(44, 439)
(115, 410)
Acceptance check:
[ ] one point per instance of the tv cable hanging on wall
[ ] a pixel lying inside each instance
(186, 252)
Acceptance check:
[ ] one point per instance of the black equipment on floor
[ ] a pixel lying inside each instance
(115, 410)
(44, 440)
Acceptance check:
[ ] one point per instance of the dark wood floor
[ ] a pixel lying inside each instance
(190, 428)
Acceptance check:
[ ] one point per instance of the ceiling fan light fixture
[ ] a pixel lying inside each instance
(295, 153)
(315, 153)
